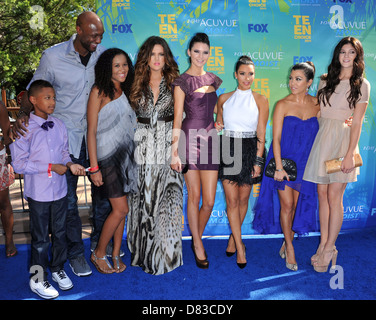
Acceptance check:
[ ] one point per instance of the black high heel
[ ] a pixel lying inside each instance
(203, 264)
(242, 265)
(229, 253)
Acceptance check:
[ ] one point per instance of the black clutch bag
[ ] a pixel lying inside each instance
(288, 165)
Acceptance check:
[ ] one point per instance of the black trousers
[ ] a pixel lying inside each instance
(46, 218)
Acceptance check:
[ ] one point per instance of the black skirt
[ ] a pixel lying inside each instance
(118, 173)
(238, 157)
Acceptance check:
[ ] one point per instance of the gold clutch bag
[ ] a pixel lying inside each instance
(334, 165)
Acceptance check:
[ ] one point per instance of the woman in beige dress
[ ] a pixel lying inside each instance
(342, 92)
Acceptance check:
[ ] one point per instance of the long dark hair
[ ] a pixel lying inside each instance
(334, 69)
(103, 73)
(140, 87)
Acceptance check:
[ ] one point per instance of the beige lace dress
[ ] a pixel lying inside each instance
(333, 138)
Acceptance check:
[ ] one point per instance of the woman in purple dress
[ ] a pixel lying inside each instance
(195, 140)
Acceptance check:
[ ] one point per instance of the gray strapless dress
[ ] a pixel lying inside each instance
(116, 147)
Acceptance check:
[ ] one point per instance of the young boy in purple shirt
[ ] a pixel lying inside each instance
(42, 156)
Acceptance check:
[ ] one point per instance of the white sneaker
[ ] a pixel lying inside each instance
(62, 280)
(43, 289)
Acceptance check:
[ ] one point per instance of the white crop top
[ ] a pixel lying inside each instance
(240, 112)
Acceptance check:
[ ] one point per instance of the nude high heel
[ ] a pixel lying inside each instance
(324, 268)
(291, 266)
(315, 257)
(282, 251)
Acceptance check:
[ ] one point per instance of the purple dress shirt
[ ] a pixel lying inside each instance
(62, 67)
(32, 154)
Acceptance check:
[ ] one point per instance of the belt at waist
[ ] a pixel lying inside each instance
(147, 120)
(240, 134)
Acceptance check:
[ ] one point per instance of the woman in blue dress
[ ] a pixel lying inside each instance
(283, 205)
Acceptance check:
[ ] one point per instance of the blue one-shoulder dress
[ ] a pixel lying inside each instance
(296, 142)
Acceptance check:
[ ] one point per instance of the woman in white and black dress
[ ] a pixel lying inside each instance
(154, 221)
(243, 114)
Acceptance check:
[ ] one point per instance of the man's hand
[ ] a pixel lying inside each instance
(22, 122)
(20, 126)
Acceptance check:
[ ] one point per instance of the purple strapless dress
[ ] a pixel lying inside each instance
(200, 146)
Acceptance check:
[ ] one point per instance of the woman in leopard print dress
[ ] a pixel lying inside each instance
(155, 216)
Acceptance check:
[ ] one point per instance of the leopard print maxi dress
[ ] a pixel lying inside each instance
(155, 214)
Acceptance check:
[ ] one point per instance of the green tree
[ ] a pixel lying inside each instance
(29, 27)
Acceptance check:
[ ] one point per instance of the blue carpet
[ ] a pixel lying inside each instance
(264, 278)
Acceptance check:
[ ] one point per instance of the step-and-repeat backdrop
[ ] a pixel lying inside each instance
(276, 34)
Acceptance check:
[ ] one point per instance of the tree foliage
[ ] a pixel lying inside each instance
(29, 27)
